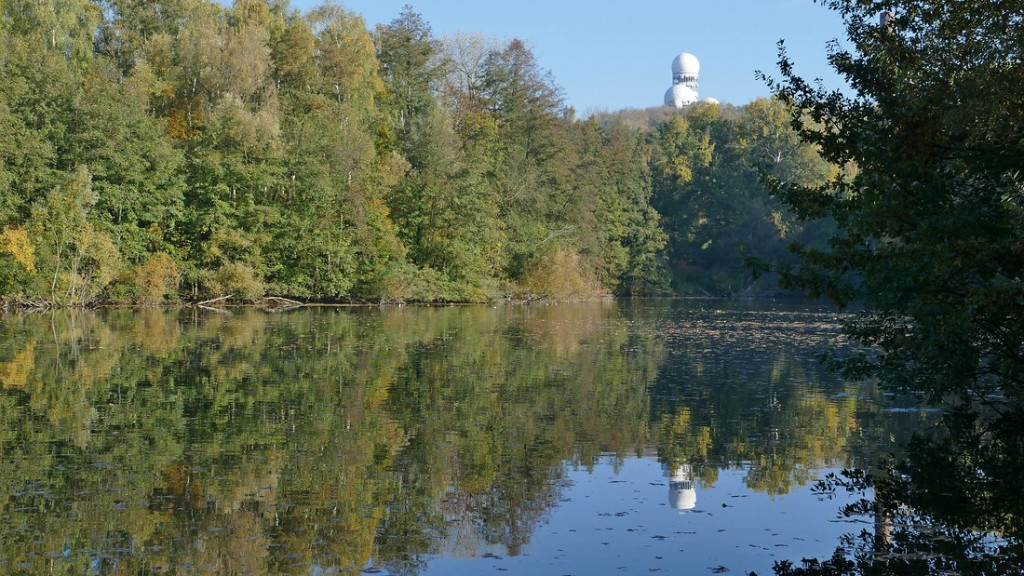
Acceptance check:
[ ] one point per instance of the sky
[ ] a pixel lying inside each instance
(608, 55)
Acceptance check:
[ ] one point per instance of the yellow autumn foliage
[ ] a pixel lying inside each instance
(156, 278)
(561, 275)
(15, 241)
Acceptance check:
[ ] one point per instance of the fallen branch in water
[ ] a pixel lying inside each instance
(278, 304)
(33, 304)
(212, 300)
(282, 301)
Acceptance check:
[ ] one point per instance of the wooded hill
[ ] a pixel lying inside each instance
(183, 150)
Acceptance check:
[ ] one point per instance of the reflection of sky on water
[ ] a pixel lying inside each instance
(623, 523)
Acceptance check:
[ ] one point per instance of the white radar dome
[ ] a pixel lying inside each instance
(680, 95)
(685, 64)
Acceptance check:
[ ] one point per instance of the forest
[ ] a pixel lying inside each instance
(154, 153)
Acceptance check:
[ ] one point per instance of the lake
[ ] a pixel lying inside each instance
(613, 437)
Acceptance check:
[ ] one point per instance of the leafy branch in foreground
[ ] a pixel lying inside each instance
(931, 219)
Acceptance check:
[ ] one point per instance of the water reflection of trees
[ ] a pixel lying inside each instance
(953, 505)
(493, 419)
(744, 387)
(161, 440)
(139, 442)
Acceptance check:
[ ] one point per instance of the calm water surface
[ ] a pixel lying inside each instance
(599, 438)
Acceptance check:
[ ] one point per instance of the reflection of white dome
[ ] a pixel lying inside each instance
(682, 495)
(685, 64)
(680, 95)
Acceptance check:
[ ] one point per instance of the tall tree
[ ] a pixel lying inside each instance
(406, 52)
(930, 226)
(632, 227)
(442, 206)
(135, 168)
(529, 180)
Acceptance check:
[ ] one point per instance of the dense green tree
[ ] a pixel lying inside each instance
(444, 215)
(310, 252)
(347, 76)
(440, 207)
(76, 261)
(620, 234)
(708, 169)
(680, 152)
(252, 148)
(46, 49)
(311, 248)
(528, 109)
(930, 224)
(135, 169)
(409, 64)
(345, 56)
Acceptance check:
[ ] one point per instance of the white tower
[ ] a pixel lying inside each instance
(685, 69)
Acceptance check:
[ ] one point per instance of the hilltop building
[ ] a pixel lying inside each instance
(685, 70)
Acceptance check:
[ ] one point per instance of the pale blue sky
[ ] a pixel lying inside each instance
(608, 55)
